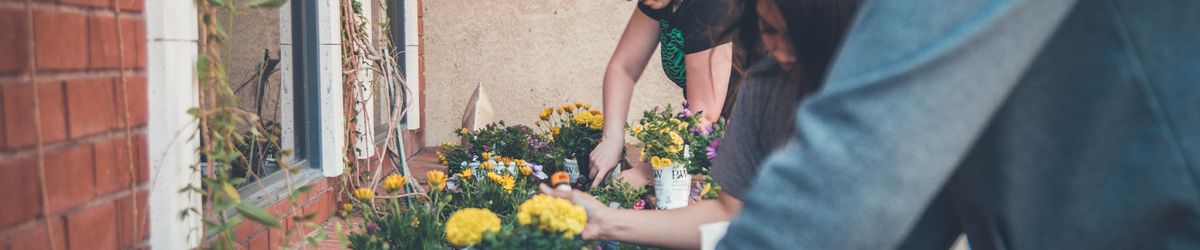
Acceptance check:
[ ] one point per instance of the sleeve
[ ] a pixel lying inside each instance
(702, 23)
(904, 101)
(652, 13)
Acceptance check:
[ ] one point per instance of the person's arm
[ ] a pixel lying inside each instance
(674, 229)
(708, 79)
(628, 62)
(904, 102)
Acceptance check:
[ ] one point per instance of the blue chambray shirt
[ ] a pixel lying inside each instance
(1026, 124)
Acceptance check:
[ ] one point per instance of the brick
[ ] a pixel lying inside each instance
(132, 229)
(137, 96)
(21, 201)
(132, 5)
(134, 30)
(91, 107)
(61, 38)
(259, 242)
(143, 157)
(15, 41)
(112, 166)
(19, 128)
(34, 237)
(246, 230)
(93, 228)
(88, 3)
(277, 238)
(69, 177)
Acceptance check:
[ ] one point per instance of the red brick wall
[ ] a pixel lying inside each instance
(88, 147)
(321, 201)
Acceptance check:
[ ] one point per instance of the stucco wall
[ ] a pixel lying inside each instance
(528, 54)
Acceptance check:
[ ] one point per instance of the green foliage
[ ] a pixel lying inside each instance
(512, 236)
(619, 192)
(575, 129)
(666, 137)
(396, 226)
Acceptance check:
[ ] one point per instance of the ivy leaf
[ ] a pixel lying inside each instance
(257, 214)
(266, 3)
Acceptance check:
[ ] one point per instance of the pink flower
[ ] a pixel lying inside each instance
(639, 205)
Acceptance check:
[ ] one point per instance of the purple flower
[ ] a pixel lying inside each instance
(713, 145)
(697, 187)
(639, 204)
(687, 113)
(537, 172)
(486, 148)
(685, 104)
(372, 228)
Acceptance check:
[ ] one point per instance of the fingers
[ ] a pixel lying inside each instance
(599, 177)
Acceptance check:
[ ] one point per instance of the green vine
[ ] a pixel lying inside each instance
(223, 127)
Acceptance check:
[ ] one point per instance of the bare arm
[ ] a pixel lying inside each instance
(708, 79)
(627, 64)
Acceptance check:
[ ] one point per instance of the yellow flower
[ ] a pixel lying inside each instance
(545, 115)
(496, 158)
(347, 206)
(554, 131)
(675, 138)
(587, 106)
(707, 187)
(416, 222)
(568, 108)
(437, 179)
(508, 161)
(507, 182)
(674, 149)
(488, 165)
(552, 215)
(466, 173)
(486, 155)
(463, 131)
(559, 110)
(638, 129)
(394, 182)
(595, 112)
(526, 171)
(441, 156)
(364, 194)
(578, 104)
(582, 118)
(520, 163)
(683, 126)
(467, 226)
(675, 121)
(658, 162)
(597, 122)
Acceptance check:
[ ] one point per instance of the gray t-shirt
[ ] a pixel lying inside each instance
(761, 122)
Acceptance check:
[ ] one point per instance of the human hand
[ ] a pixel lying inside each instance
(596, 211)
(604, 158)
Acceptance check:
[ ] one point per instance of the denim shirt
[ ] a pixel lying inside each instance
(1026, 124)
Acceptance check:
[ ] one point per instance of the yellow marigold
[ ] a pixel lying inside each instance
(364, 194)
(582, 118)
(595, 112)
(507, 182)
(437, 179)
(587, 106)
(551, 214)
(676, 139)
(394, 182)
(466, 173)
(526, 171)
(554, 131)
(597, 122)
(486, 155)
(545, 115)
(568, 108)
(578, 104)
(467, 226)
(488, 165)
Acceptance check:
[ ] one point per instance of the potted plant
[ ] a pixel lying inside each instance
(677, 146)
(574, 130)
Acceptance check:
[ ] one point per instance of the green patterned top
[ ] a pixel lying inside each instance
(671, 41)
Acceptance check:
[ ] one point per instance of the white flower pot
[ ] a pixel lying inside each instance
(572, 167)
(672, 186)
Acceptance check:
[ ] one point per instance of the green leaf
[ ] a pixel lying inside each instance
(232, 192)
(266, 3)
(257, 214)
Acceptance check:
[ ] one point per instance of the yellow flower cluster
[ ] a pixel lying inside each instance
(552, 215)
(394, 182)
(545, 115)
(486, 155)
(659, 162)
(442, 158)
(467, 226)
(364, 194)
(505, 181)
(488, 165)
(437, 179)
(593, 119)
